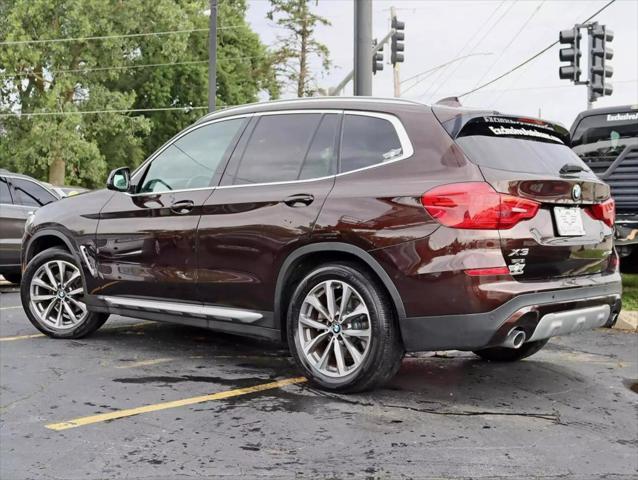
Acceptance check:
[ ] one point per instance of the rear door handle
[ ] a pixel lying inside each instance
(182, 207)
(299, 200)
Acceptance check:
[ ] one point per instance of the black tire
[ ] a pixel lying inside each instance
(14, 278)
(91, 322)
(385, 350)
(502, 354)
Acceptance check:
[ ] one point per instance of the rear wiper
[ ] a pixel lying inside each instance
(571, 168)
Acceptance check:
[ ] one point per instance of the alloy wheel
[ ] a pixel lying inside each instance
(54, 296)
(334, 328)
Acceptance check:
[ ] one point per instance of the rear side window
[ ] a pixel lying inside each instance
(5, 196)
(517, 144)
(367, 141)
(285, 147)
(30, 193)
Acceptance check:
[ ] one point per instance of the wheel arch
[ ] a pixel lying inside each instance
(322, 252)
(45, 239)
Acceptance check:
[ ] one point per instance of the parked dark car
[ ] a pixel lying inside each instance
(19, 196)
(606, 139)
(354, 229)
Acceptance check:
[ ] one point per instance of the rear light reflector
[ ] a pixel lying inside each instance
(480, 272)
(476, 205)
(605, 212)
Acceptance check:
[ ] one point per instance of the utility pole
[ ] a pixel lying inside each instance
(212, 56)
(362, 46)
(395, 66)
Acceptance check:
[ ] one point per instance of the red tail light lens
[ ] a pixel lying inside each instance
(605, 212)
(480, 272)
(476, 205)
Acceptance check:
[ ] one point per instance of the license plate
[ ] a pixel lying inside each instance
(569, 221)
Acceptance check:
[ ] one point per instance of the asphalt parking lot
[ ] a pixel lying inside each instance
(150, 400)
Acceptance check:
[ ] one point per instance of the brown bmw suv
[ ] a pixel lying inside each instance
(355, 229)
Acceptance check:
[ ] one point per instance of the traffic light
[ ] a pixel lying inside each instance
(397, 45)
(570, 38)
(377, 58)
(599, 55)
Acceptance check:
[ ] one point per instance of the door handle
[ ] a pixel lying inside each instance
(183, 206)
(299, 199)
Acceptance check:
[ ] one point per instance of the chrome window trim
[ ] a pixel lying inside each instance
(404, 139)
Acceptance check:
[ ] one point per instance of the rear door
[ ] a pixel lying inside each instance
(267, 204)
(530, 158)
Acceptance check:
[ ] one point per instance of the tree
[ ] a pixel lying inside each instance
(298, 46)
(109, 74)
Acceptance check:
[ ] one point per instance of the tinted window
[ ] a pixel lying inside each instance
(277, 147)
(367, 141)
(192, 160)
(5, 196)
(30, 193)
(319, 161)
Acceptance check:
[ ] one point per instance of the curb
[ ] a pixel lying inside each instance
(627, 320)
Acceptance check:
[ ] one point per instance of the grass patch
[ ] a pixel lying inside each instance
(630, 291)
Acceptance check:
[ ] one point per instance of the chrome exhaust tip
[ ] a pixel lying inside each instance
(514, 339)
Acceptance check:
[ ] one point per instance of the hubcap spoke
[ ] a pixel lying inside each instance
(49, 273)
(316, 303)
(334, 329)
(313, 323)
(42, 298)
(79, 305)
(61, 271)
(77, 291)
(41, 283)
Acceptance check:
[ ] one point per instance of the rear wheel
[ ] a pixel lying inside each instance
(342, 331)
(51, 291)
(502, 354)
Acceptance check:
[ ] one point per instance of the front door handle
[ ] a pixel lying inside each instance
(299, 200)
(182, 207)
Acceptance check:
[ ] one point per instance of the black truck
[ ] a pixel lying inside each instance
(606, 139)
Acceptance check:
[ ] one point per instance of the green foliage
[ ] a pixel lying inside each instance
(630, 291)
(62, 77)
(298, 46)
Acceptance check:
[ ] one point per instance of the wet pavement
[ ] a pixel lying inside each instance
(567, 412)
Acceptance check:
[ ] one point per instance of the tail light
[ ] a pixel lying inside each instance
(476, 205)
(605, 212)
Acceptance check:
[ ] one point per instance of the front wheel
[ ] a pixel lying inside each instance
(50, 292)
(503, 354)
(342, 331)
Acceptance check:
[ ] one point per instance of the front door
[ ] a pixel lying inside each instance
(267, 204)
(146, 240)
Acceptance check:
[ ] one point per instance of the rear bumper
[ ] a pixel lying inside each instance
(543, 311)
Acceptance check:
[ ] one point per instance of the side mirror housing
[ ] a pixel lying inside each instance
(119, 180)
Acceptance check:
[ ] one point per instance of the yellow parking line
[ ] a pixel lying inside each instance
(103, 417)
(37, 335)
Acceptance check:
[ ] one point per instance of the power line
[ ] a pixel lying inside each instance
(533, 57)
(124, 67)
(509, 44)
(186, 109)
(105, 37)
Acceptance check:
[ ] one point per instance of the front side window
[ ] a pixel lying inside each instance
(288, 147)
(368, 141)
(30, 194)
(193, 159)
(5, 196)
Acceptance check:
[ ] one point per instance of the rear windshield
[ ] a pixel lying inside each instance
(605, 136)
(517, 144)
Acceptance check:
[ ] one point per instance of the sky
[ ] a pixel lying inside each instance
(498, 34)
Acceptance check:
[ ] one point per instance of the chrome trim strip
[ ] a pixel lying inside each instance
(86, 260)
(224, 313)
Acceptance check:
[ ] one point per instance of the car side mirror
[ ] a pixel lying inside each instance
(119, 180)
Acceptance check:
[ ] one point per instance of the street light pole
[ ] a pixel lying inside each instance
(362, 46)
(212, 56)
